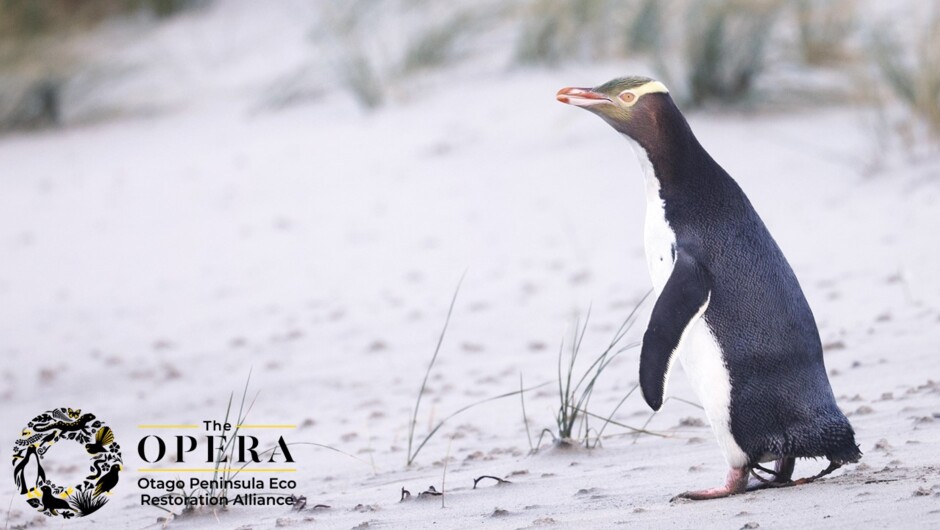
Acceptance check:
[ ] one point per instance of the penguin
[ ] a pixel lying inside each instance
(728, 305)
(19, 470)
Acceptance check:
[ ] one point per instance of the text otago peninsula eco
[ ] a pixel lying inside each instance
(223, 467)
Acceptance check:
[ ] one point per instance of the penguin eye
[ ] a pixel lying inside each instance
(627, 97)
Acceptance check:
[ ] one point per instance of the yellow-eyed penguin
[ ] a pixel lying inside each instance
(729, 306)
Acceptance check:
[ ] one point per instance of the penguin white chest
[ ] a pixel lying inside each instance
(659, 239)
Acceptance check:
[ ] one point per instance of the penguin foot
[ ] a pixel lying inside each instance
(735, 484)
(832, 467)
(781, 475)
(738, 480)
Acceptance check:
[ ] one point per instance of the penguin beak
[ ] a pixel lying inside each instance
(581, 97)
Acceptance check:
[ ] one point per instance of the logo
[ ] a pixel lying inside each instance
(41, 435)
(228, 458)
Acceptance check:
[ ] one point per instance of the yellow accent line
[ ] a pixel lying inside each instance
(213, 470)
(270, 426)
(166, 426)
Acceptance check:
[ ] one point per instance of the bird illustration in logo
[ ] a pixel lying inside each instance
(52, 503)
(19, 471)
(103, 438)
(107, 482)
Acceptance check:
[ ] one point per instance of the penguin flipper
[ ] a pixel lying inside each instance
(682, 300)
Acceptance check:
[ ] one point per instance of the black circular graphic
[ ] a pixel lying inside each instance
(66, 425)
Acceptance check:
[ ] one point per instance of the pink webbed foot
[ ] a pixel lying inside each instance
(735, 484)
(781, 476)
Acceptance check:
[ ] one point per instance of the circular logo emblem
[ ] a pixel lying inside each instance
(41, 435)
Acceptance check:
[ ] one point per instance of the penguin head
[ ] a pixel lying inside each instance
(629, 104)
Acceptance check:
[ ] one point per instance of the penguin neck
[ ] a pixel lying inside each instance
(670, 156)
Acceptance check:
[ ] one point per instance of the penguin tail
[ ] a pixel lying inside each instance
(837, 439)
(849, 454)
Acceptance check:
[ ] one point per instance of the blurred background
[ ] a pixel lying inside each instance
(69, 63)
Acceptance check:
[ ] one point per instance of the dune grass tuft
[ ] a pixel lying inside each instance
(555, 30)
(911, 73)
(572, 418)
(644, 34)
(726, 50)
(41, 56)
(436, 46)
(823, 27)
(574, 397)
(424, 383)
